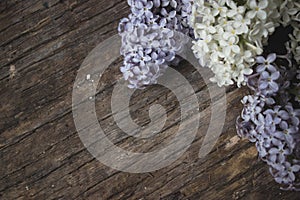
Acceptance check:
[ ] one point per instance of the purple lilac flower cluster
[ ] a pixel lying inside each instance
(150, 38)
(270, 117)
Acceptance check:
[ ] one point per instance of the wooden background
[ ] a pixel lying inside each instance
(43, 44)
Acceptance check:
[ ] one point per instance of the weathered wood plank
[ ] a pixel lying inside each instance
(41, 154)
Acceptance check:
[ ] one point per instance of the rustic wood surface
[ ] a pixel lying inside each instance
(43, 43)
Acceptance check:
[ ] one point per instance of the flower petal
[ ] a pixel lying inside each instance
(295, 168)
(274, 86)
(260, 59)
(261, 15)
(275, 75)
(271, 57)
(263, 4)
(263, 85)
(260, 68)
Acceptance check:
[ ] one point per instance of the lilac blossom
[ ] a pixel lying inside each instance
(270, 119)
(279, 153)
(149, 40)
(142, 7)
(266, 63)
(267, 83)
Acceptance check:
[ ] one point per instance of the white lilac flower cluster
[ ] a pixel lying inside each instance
(295, 43)
(271, 115)
(290, 11)
(229, 34)
(151, 38)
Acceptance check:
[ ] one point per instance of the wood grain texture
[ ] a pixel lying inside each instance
(41, 155)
